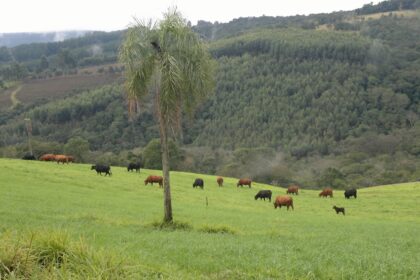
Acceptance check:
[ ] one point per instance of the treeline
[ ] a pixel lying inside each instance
(95, 48)
(22, 53)
(216, 31)
(388, 6)
(20, 38)
(297, 44)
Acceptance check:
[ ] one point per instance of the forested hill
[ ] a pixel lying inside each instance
(303, 89)
(344, 87)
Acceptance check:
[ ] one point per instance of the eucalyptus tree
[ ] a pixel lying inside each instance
(168, 60)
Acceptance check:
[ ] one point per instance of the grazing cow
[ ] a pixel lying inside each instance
(133, 166)
(70, 158)
(263, 194)
(326, 192)
(246, 182)
(284, 200)
(28, 157)
(154, 179)
(47, 157)
(198, 183)
(349, 193)
(220, 181)
(61, 158)
(102, 169)
(293, 189)
(339, 209)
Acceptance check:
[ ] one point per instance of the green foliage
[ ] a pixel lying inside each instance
(388, 6)
(52, 255)
(77, 147)
(153, 158)
(332, 177)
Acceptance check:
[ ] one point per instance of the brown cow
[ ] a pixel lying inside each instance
(284, 200)
(70, 158)
(242, 182)
(154, 179)
(293, 189)
(47, 157)
(61, 158)
(326, 192)
(220, 181)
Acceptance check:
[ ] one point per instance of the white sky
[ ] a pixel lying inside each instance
(55, 15)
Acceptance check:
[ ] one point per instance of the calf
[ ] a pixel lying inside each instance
(133, 166)
(349, 193)
(102, 169)
(198, 183)
(339, 209)
(284, 200)
(263, 194)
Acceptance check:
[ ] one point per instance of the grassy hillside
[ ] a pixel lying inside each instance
(377, 239)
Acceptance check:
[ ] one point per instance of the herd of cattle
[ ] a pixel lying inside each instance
(51, 157)
(281, 200)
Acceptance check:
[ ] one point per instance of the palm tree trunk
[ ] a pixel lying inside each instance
(167, 203)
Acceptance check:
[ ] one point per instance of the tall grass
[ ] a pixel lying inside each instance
(50, 255)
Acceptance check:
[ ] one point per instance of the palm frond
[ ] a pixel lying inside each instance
(170, 57)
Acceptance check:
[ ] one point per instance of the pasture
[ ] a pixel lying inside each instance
(231, 237)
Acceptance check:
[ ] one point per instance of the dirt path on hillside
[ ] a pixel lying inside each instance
(13, 96)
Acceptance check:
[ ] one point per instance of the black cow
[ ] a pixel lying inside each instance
(198, 183)
(349, 193)
(102, 169)
(263, 195)
(29, 157)
(133, 166)
(339, 209)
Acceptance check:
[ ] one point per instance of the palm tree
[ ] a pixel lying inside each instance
(168, 60)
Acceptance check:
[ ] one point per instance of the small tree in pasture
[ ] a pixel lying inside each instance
(169, 61)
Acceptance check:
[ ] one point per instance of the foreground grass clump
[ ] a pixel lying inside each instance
(174, 225)
(52, 255)
(217, 229)
(219, 233)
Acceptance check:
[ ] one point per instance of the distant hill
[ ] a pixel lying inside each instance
(15, 39)
(339, 88)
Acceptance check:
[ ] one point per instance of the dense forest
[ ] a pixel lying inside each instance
(326, 99)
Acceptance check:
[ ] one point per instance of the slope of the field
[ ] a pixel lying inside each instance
(378, 238)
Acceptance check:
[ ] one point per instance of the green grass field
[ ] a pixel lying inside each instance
(379, 238)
